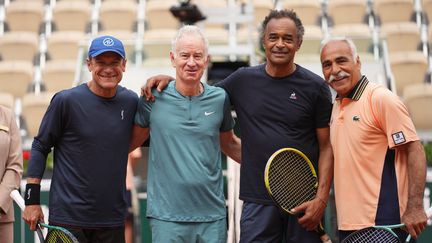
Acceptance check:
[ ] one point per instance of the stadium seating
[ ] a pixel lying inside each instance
(6, 99)
(361, 34)
(71, 15)
(64, 44)
(408, 68)
(116, 16)
(417, 98)
(311, 42)
(401, 36)
(390, 11)
(15, 77)
(33, 109)
(24, 16)
(19, 45)
(342, 12)
(58, 75)
(157, 44)
(309, 11)
(158, 16)
(260, 9)
(75, 22)
(427, 9)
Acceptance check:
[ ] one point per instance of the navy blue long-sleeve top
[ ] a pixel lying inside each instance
(90, 136)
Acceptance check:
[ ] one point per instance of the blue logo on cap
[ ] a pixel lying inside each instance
(108, 42)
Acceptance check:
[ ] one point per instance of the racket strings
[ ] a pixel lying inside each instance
(372, 235)
(58, 236)
(291, 180)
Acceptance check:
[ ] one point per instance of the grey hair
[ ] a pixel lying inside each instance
(347, 40)
(189, 30)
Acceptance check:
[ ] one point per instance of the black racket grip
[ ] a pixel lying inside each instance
(320, 230)
(323, 235)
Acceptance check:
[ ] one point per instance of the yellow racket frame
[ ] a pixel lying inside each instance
(269, 164)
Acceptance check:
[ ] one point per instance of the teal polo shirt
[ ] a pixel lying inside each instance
(184, 182)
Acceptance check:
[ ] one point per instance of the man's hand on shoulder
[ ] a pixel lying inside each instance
(158, 81)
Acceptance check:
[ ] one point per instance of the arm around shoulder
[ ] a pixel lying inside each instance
(231, 145)
(159, 82)
(139, 136)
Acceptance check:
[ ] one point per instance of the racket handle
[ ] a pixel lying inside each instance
(408, 238)
(16, 196)
(322, 234)
(325, 238)
(429, 215)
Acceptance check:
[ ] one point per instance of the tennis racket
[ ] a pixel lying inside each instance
(291, 180)
(55, 234)
(379, 234)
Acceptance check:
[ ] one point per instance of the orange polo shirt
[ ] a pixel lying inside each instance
(363, 127)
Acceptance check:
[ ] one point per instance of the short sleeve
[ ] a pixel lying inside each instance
(142, 115)
(323, 107)
(228, 121)
(393, 117)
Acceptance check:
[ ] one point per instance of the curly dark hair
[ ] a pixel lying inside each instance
(284, 13)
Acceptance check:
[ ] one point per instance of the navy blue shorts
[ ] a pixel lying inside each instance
(106, 235)
(267, 223)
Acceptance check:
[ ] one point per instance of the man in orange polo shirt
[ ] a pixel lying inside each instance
(379, 162)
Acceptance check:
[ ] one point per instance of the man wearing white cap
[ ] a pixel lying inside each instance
(89, 128)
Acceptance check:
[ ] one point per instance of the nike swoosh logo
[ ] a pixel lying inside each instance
(208, 113)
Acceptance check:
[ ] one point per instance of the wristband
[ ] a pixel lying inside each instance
(32, 194)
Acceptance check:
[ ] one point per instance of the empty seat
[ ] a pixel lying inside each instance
(389, 11)
(408, 68)
(157, 43)
(210, 3)
(427, 9)
(417, 98)
(158, 15)
(214, 10)
(309, 11)
(64, 44)
(40, 1)
(58, 75)
(311, 42)
(115, 15)
(402, 36)
(65, 11)
(34, 107)
(359, 33)
(76, 1)
(347, 12)
(261, 8)
(15, 77)
(24, 16)
(17, 45)
(7, 99)
(246, 34)
(217, 36)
